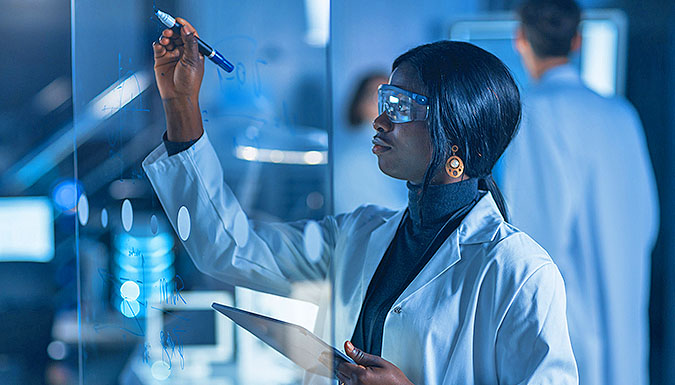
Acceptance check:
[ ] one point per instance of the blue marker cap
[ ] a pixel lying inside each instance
(219, 60)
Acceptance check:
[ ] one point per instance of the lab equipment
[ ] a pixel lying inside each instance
(189, 331)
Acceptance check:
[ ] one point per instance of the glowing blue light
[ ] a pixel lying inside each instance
(130, 291)
(66, 195)
(130, 309)
(160, 370)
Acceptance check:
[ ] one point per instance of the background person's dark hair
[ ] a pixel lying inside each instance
(474, 103)
(550, 25)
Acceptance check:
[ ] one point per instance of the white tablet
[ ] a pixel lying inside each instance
(293, 341)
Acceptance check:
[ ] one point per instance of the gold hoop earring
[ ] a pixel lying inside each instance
(454, 166)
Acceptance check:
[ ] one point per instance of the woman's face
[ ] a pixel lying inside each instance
(403, 149)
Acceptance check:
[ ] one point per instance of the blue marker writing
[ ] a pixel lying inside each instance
(204, 49)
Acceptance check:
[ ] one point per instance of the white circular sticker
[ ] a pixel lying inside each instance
(83, 210)
(240, 231)
(154, 224)
(127, 215)
(104, 218)
(313, 239)
(160, 370)
(130, 290)
(183, 223)
(130, 308)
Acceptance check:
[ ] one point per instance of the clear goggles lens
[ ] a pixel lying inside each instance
(400, 105)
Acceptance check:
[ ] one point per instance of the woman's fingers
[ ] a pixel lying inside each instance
(173, 36)
(350, 370)
(343, 379)
(158, 49)
(187, 27)
(161, 52)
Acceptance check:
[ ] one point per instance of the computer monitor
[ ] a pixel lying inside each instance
(601, 60)
(184, 334)
(26, 229)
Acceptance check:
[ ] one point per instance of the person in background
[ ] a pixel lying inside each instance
(578, 179)
(357, 177)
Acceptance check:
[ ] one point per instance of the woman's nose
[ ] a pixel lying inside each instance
(382, 123)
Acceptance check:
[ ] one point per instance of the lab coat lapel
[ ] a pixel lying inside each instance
(480, 225)
(378, 243)
(379, 240)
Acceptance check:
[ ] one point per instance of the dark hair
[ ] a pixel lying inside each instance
(474, 104)
(359, 94)
(550, 25)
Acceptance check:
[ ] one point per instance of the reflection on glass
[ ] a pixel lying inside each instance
(268, 123)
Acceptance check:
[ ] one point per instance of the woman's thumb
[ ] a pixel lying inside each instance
(361, 357)
(191, 49)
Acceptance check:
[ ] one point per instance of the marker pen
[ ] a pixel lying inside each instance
(204, 48)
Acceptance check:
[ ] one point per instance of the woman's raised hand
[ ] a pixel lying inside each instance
(179, 70)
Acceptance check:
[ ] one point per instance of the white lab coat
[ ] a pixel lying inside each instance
(488, 308)
(577, 178)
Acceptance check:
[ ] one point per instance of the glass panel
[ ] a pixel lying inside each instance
(38, 193)
(146, 314)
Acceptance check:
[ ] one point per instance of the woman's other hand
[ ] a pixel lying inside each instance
(369, 370)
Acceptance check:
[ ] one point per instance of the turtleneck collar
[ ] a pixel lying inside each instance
(440, 201)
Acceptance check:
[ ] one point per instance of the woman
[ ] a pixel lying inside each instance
(444, 292)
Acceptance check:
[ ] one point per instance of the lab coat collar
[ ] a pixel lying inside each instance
(480, 225)
(565, 73)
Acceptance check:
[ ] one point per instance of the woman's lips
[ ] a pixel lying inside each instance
(380, 146)
(377, 149)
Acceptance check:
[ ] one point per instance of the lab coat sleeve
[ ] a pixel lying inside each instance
(533, 345)
(222, 241)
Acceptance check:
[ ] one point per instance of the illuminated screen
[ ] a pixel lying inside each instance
(191, 327)
(26, 229)
(601, 61)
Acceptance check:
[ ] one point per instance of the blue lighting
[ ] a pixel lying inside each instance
(141, 264)
(66, 194)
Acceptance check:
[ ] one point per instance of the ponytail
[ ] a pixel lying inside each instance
(488, 183)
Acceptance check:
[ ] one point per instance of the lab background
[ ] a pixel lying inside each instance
(95, 286)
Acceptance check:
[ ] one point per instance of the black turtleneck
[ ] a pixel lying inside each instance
(409, 251)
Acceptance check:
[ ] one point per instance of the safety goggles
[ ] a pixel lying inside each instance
(401, 105)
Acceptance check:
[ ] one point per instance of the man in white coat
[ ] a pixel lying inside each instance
(578, 179)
